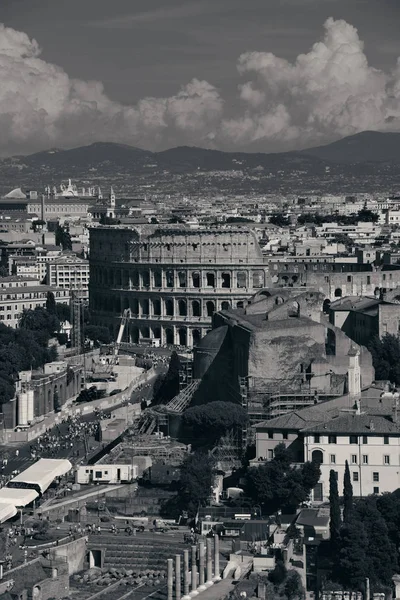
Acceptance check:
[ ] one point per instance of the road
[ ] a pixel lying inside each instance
(23, 460)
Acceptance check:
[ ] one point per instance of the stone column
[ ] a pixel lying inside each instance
(194, 591)
(170, 578)
(209, 581)
(186, 575)
(217, 576)
(201, 567)
(178, 576)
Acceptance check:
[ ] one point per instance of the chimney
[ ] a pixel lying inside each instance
(371, 425)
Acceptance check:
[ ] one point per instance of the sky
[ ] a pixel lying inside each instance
(254, 75)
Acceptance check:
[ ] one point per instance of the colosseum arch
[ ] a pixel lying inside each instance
(145, 307)
(169, 278)
(157, 279)
(157, 333)
(146, 278)
(241, 279)
(125, 303)
(135, 278)
(182, 278)
(279, 300)
(196, 336)
(225, 305)
(182, 308)
(156, 307)
(210, 308)
(196, 308)
(240, 304)
(196, 279)
(134, 306)
(169, 336)
(169, 307)
(210, 278)
(134, 335)
(145, 331)
(226, 280)
(182, 335)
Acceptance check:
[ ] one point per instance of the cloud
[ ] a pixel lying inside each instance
(327, 93)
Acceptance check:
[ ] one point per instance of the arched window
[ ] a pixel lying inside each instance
(145, 308)
(169, 308)
(169, 279)
(145, 332)
(157, 333)
(196, 308)
(295, 278)
(182, 333)
(135, 278)
(157, 279)
(196, 279)
(338, 293)
(125, 303)
(156, 307)
(169, 336)
(182, 308)
(241, 279)
(294, 309)
(134, 306)
(317, 457)
(210, 308)
(182, 278)
(279, 300)
(326, 305)
(285, 280)
(225, 305)
(196, 335)
(210, 277)
(226, 280)
(146, 278)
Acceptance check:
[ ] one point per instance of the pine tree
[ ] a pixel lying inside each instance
(347, 495)
(334, 511)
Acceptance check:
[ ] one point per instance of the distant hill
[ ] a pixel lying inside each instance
(368, 146)
(366, 162)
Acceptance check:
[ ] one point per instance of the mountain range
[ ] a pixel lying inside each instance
(367, 161)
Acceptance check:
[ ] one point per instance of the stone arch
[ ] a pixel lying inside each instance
(295, 278)
(182, 336)
(196, 336)
(294, 309)
(135, 278)
(169, 278)
(265, 293)
(279, 300)
(182, 308)
(241, 279)
(145, 331)
(258, 279)
(226, 280)
(196, 308)
(156, 307)
(196, 280)
(169, 307)
(125, 303)
(134, 306)
(157, 279)
(134, 335)
(182, 278)
(326, 306)
(146, 278)
(145, 307)
(317, 456)
(210, 306)
(338, 293)
(48, 400)
(157, 333)
(210, 278)
(240, 304)
(225, 305)
(169, 336)
(377, 291)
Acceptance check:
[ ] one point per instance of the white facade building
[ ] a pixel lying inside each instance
(106, 474)
(69, 272)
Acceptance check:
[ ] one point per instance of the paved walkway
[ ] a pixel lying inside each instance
(218, 591)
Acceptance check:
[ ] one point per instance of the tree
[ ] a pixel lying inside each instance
(43, 323)
(334, 512)
(63, 238)
(197, 478)
(98, 334)
(278, 575)
(4, 272)
(293, 586)
(352, 564)
(279, 220)
(386, 357)
(347, 495)
(51, 306)
(208, 422)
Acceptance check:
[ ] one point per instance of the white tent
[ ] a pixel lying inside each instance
(7, 511)
(41, 474)
(17, 497)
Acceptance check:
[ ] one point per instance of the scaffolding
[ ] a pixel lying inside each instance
(185, 374)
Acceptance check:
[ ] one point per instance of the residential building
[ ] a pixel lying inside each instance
(17, 294)
(69, 272)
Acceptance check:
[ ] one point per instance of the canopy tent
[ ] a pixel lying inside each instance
(41, 474)
(7, 511)
(17, 497)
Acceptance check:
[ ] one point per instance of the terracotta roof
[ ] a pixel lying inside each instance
(354, 424)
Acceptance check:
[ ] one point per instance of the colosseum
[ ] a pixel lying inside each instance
(172, 279)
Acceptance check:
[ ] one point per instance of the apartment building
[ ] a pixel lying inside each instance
(69, 272)
(17, 294)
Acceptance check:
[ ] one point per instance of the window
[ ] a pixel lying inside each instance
(98, 474)
(353, 439)
(365, 459)
(376, 490)
(349, 278)
(386, 459)
(368, 279)
(355, 476)
(285, 435)
(333, 459)
(354, 459)
(365, 439)
(316, 439)
(386, 439)
(270, 435)
(332, 439)
(270, 454)
(375, 476)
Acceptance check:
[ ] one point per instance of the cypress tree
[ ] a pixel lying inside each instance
(334, 513)
(347, 495)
